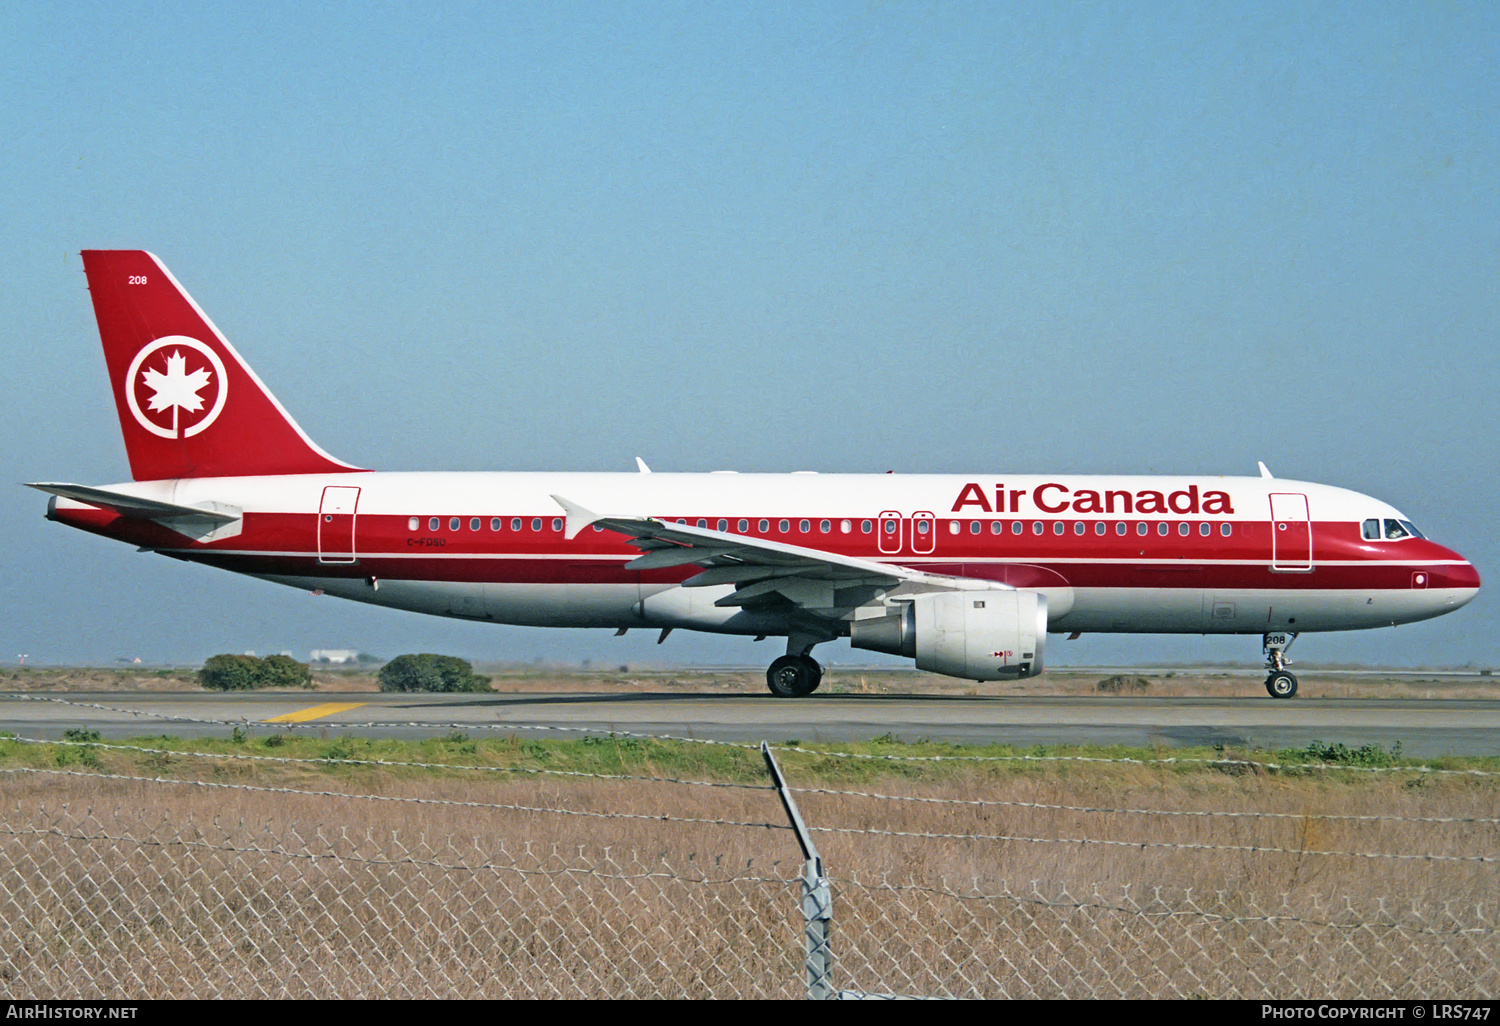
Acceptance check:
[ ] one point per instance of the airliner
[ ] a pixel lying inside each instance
(964, 574)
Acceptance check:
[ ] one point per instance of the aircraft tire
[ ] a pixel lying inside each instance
(794, 676)
(1281, 684)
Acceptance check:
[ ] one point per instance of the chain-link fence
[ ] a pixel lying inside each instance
(131, 908)
(1047, 943)
(126, 898)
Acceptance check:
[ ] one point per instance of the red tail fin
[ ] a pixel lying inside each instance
(189, 406)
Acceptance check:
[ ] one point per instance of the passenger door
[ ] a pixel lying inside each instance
(1291, 533)
(336, 524)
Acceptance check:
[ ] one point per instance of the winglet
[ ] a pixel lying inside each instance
(640, 465)
(1263, 471)
(578, 517)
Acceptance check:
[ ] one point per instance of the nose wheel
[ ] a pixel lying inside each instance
(1280, 682)
(793, 676)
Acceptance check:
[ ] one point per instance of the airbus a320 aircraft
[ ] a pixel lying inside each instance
(965, 574)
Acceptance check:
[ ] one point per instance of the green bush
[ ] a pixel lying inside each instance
(243, 672)
(280, 671)
(230, 672)
(428, 672)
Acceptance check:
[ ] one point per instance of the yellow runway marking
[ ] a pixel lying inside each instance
(326, 709)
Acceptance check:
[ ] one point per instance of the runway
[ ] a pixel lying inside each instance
(1423, 727)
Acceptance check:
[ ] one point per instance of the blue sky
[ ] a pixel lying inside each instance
(844, 237)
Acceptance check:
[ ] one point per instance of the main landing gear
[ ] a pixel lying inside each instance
(793, 676)
(797, 673)
(1280, 682)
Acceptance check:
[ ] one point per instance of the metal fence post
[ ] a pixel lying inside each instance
(817, 916)
(817, 896)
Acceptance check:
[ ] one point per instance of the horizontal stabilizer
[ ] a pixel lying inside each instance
(132, 505)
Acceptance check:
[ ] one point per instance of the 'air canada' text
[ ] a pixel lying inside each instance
(1059, 498)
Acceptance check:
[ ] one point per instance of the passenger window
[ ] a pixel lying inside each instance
(1057, 527)
(557, 523)
(1078, 527)
(412, 523)
(473, 523)
(953, 527)
(454, 523)
(996, 527)
(515, 523)
(702, 523)
(494, 523)
(973, 527)
(1099, 527)
(845, 526)
(1225, 530)
(1184, 529)
(1141, 528)
(536, 523)
(865, 526)
(1162, 529)
(723, 525)
(803, 526)
(824, 526)
(765, 527)
(922, 526)
(1015, 527)
(784, 526)
(1205, 529)
(1120, 528)
(1036, 527)
(744, 527)
(433, 523)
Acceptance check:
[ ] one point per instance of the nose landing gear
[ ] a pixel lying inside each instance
(1280, 682)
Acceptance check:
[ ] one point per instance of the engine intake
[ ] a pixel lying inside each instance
(977, 635)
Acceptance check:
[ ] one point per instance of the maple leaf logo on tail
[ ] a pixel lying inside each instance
(176, 389)
(176, 408)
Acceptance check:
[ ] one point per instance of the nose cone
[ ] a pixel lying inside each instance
(1457, 580)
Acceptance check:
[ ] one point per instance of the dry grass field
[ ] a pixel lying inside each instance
(1043, 879)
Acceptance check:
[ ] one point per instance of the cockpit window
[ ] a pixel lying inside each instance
(1395, 530)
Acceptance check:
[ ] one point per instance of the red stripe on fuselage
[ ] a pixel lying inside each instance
(285, 544)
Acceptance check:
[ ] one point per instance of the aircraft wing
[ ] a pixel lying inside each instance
(823, 582)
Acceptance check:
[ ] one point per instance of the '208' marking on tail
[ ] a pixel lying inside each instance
(175, 382)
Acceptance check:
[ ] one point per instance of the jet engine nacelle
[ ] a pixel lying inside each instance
(977, 635)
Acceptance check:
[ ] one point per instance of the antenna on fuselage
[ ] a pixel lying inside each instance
(640, 465)
(1264, 472)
